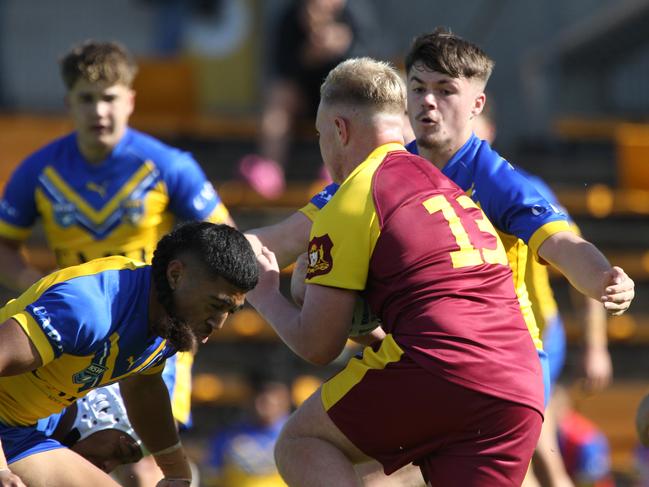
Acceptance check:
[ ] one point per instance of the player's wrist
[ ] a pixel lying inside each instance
(173, 462)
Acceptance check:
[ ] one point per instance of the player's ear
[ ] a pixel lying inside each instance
(478, 105)
(342, 130)
(175, 270)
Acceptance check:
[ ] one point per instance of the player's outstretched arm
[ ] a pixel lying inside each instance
(589, 271)
(286, 239)
(148, 407)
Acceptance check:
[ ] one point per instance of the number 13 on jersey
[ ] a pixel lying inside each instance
(468, 254)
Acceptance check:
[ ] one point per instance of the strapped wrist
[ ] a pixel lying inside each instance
(169, 449)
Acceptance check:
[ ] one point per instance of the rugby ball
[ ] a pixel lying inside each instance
(363, 321)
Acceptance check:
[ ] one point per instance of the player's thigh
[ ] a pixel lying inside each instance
(310, 420)
(60, 468)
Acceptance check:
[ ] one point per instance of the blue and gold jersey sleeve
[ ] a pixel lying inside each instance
(18, 211)
(513, 204)
(191, 195)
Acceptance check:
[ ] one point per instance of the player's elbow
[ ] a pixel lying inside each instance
(322, 355)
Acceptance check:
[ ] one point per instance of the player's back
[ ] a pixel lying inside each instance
(440, 281)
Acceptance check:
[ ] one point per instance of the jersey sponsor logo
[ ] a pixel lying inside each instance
(43, 318)
(100, 189)
(206, 195)
(537, 210)
(320, 260)
(7, 209)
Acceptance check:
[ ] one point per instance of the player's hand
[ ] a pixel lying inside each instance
(268, 277)
(619, 291)
(598, 368)
(10, 479)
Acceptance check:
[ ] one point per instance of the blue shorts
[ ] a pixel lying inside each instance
(545, 367)
(19, 442)
(554, 344)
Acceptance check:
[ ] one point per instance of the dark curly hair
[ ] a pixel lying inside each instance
(444, 52)
(221, 250)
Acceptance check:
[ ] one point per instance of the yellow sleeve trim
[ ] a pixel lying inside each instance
(220, 214)
(545, 232)
(36, 335)
(310, 211)
(13, 232)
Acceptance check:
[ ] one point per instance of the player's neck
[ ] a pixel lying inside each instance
(439, 157)
(95, 154)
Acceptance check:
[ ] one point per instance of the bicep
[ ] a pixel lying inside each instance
(327, 312)
(19, 354)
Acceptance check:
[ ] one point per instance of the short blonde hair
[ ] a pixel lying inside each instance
(367, 83)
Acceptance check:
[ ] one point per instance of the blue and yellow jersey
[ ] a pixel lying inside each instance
(537, 278)
(122, 206)
(90, 326)
(521, 215)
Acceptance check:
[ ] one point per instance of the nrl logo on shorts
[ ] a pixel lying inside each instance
(320, 260)
(90, 374)
(133, 210)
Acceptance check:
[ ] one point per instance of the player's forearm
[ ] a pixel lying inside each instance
(299, 333)
(147, 402)
(579, 261)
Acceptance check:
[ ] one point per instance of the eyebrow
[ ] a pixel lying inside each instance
(229, 301)
(443, 81)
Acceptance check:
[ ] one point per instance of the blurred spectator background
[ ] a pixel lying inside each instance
(573, 107)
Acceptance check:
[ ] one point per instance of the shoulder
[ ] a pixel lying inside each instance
(49, 154)
(164, 156)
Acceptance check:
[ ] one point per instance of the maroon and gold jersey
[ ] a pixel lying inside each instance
(433, 269)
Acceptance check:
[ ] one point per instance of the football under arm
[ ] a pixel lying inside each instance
(18, 353)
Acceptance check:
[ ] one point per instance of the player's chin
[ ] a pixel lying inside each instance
(181, 336)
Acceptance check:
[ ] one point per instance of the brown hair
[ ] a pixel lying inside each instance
(98, 61)
(447, 53)
(365, 82)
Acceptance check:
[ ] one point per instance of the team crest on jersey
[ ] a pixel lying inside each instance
(64, 213)
(133, 210)
(320, 260)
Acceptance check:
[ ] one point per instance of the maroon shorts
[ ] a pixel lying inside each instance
(397, 413)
